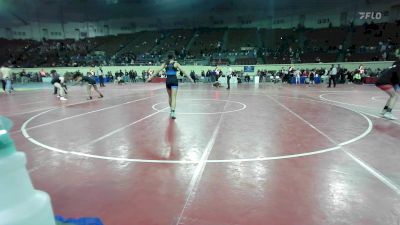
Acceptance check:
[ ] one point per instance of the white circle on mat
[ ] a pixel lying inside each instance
(242, 107)
(304, 154)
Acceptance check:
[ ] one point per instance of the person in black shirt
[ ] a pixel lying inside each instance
(54, 75)
(3, 82)
(389, 81)
(228, 78)
(100, 73)
(311, 77)
(90, 83)
(171, 67)
(58, 82)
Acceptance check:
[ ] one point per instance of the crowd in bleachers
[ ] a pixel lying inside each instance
(373, 42)
(369, 42)
(206, 42)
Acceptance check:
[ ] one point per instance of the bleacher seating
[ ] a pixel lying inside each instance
(279, 38)
(363, 57)
(207, 42)
(143, 42)
(239, 38)
(324, 40)
(352, 43)
(112, 44)
(374, 42)
(12, 50)
(174, 40)
(220, 61)
(246, 61)
(314, 57)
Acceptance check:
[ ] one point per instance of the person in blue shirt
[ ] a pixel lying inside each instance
(90, 84)
(171, 67)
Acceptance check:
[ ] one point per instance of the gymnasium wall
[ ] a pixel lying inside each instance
(198, 69)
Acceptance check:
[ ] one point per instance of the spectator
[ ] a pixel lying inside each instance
(332, 76)
(100, 74)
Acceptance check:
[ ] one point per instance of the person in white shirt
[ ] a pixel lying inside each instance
(58, 82)
(92, 73)
(297, 76)
(332, 76)
(362, 70)
(6, 79)
(100, 74)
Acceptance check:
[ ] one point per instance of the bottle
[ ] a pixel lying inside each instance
(20, 203)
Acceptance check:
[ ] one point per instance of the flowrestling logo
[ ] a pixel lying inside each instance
(370, 15)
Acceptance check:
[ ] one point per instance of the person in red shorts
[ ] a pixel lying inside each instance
(389, 81)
